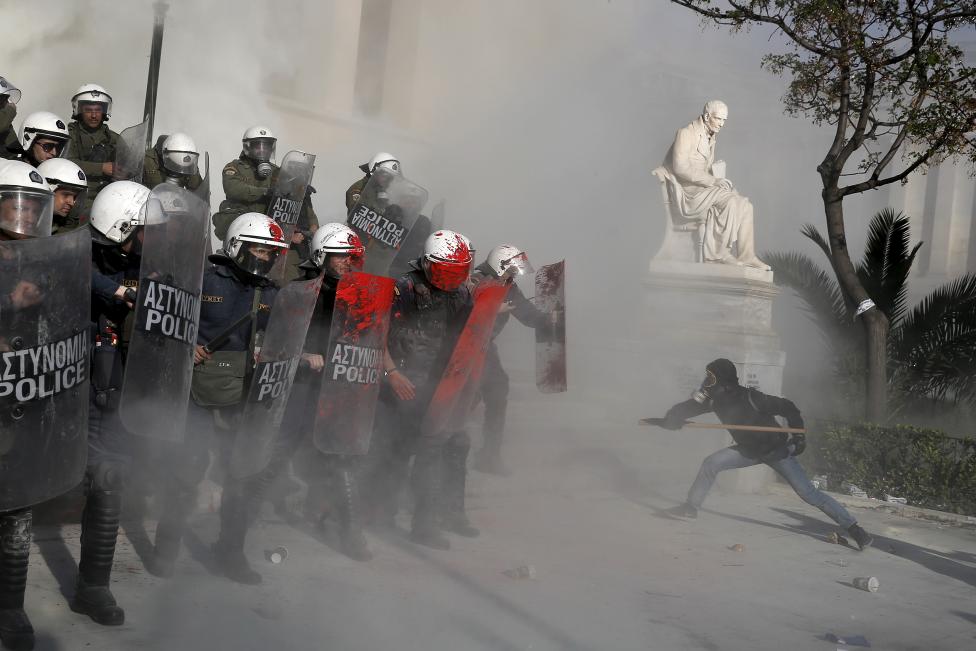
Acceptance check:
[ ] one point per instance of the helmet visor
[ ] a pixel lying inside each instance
(517, 265)
(261, 150)
(336, 265)
(447, 275)
(25, 212)
(181, 162)
(257, 258)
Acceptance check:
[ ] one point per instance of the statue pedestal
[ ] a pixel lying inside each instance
(694, 313)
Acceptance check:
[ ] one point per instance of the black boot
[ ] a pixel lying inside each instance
(860, 536)
(228, 551)
(180, 501)
(455, 469)
(16, 631)
(351, 537)
(99, 530)
(426, 482)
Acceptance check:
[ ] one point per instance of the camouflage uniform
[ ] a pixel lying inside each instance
(89, 149)
(245, 192)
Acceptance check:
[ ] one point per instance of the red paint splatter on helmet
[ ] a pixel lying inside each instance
(276, 233)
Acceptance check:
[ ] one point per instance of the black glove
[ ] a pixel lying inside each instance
(799, 443)
(672, 423)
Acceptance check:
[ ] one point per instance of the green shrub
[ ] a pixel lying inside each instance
(925, 466)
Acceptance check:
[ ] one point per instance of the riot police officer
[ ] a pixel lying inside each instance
(173, 159)
(235, 301)
(9, 96)
(503, 262)
(249, 181)
(70, 185)
(118, 216)
(92, 144)
(381, 160)
(733, 403)
(332, 479)
(429, 311)
(25, 212)
(43, 136)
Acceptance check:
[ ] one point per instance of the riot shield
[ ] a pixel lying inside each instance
(288, 197)
(130, 153)
(270, 386)
(159, 365)
(384, 215)
(468, 355)
(203, 190)
(353, 364)
(550, 341)
(437, 216)
(45, 346)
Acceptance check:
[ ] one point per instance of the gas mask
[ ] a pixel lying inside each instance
(703, 394)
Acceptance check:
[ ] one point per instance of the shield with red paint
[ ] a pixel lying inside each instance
(454, 395)
(353, 364)
(288, 197)
(550, 340)
(274, 372)
(385, 214)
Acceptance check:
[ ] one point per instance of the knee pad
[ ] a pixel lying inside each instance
(106, 477)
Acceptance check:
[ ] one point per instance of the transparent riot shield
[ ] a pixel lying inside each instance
(550, 341)
(277, 362)
(45, 346)
(468, 354)
(159, 365)
(384, 215)
(288, 197)
(353, 364)
(437, 216)
(203, 190)
(130, 153)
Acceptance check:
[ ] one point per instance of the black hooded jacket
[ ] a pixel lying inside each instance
(738, 405)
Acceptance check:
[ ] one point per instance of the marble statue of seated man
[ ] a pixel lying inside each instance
(700, 192)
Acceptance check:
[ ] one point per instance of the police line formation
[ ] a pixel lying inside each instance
(352, 353)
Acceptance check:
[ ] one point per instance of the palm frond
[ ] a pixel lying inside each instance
(887, 261)
(811, 231)
(820, 293)
(934, 346)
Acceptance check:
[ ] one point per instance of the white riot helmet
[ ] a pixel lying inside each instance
(447, 259)
(43, 125)
(508, 260)
(259, 144)
(62, 173)
(336, 238)
(8, 89)
(382, 160)
(471, 249)
(26, 201)
(253, 242)
(67, 181)
(180, 155)
(90, 93)
(119, 209)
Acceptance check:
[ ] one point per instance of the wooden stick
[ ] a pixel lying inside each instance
(753, 428)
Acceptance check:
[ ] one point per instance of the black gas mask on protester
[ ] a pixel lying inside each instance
(720, 378)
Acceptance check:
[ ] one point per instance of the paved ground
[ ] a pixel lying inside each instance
(612, 572)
